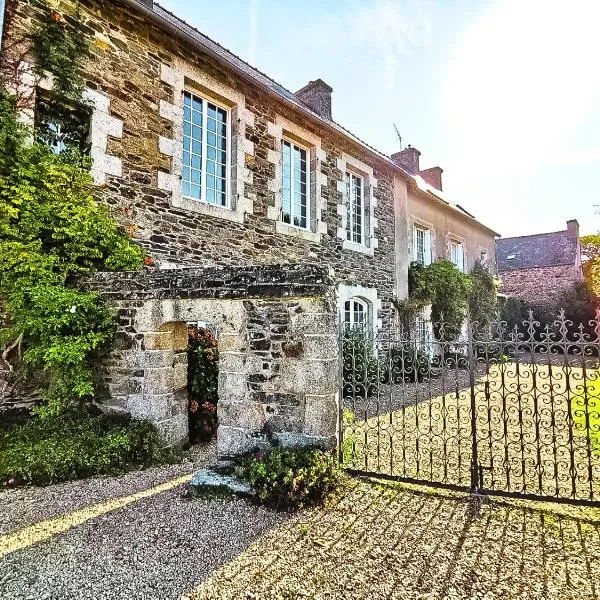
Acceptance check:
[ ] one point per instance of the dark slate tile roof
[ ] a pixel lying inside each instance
(540, 250)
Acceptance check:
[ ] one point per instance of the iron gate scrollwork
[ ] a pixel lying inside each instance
(491, 410)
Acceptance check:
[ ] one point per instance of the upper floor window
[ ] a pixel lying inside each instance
(422, 245)
(205, 150)
(295, 207)
(356, 314)
(62, 126)
(457, 254)
(355, 208)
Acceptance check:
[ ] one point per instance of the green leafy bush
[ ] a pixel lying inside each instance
(292, 478)
(75, 445)
(203, 379)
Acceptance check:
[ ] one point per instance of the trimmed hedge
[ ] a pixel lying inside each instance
(75, 445)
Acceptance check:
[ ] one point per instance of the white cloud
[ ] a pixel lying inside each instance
(520, 82)
(385, 30)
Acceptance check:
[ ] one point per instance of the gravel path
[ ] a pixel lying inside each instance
(377, 541)
(388, 542)
(156, 547)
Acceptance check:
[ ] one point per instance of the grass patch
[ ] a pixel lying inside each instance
(75, 445)
(585, 408)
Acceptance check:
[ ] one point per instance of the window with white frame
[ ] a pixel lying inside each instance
(356, 314)
(205, 150)
(457, 254)
(295, 206)
(422, 245)
(355, 209)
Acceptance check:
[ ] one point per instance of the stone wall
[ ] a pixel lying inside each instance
(539, 285)
(138, 68)
(278, 348)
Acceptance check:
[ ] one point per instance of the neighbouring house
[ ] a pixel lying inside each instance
(263, 215)
(539, 268)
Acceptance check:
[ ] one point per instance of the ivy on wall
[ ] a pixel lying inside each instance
(52, 229)
(451, 293)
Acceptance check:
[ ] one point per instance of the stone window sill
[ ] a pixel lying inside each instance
(305, 234)
(210, 210)
(348, 245)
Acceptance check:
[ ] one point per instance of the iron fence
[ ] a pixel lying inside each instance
(493, 410)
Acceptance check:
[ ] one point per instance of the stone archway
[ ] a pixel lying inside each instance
(278, 347)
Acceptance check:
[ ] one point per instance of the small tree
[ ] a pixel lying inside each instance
(482, 296)
(52, 229)
(447, 289)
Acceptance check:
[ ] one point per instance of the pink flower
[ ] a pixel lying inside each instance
(11, 481)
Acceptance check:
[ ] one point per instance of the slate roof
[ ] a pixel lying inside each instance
(540, 250)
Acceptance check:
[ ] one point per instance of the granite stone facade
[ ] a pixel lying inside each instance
(136, 76)
(278, 349)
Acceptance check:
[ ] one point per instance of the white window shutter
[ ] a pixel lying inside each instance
(427, 242)
(414, 244)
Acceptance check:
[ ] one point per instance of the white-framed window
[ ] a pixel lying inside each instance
(422, 245)
(356, 314)
(422, 329)
(206, 150)
(457, 255)
(355, 208)
(295, 206)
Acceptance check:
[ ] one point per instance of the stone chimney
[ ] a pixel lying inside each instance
(433, 177)
(409, 159)
(573, 228)
(317, 95)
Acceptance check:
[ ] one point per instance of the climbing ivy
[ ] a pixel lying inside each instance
(52, 229)
(447, 289)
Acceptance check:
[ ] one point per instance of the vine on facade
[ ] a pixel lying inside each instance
(52, 229)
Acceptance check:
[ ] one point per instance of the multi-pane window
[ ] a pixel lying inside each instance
(355, 208)
(295, 209)
(457, 254)
(422, 245)
(205, 150)
(356, 314)
(63, 127)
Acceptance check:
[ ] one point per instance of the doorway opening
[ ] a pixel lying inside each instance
(202, 381)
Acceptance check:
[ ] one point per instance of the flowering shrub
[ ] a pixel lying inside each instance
(291, 478)
(203, 376)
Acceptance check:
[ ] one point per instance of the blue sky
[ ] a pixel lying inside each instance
(504, 95)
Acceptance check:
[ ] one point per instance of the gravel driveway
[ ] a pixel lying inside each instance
(378, 541)
(156, 547)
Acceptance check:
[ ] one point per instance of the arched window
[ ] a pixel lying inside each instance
(356, 314)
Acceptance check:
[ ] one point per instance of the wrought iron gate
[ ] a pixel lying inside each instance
(490, 410)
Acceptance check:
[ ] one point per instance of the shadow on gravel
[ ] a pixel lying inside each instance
(384, 541)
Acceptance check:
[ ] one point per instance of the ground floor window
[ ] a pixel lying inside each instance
(356, 314)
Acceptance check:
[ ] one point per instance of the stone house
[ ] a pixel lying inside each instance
(236, 187)
(539, 268)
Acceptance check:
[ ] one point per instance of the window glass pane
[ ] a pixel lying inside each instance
(192, 146)
(205, 149)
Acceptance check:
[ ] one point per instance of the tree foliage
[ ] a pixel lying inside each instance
(591, 265)
(52, 229)
(482, 296)
(447, 289)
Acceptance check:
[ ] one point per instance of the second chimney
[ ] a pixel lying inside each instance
(573, 228)
(409, 159)
(317, 95)
(433, 177)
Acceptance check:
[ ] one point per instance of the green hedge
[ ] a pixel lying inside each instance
(75, 445)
